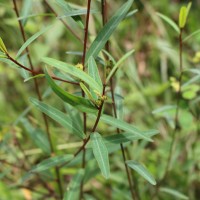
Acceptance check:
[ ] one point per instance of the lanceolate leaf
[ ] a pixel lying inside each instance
(191, 35)
(114, 69)
(38, 136)
(80, 103)
(76, 13)
(126, 137)
(105, 33)
(100, 153)
(73, 191)
(182, 17)
(123, 125)
(93, 71)
(2, 46)
(31, 39)
(67, 8)
(58, 116)
(78, 73)
(26, 9)
(174, 193)
(52, 162)
(170, 22)
(140, 169)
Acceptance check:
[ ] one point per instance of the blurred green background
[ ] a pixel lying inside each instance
(147, 81)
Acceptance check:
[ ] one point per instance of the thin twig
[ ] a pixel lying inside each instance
(83, 94)
(39, 97)
(37, 73)
(107, 47)
(176, 119)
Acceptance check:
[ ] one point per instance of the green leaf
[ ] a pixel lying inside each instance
(87, 92)
(169, 21)
(72, 70)
(174, 193)
(74, 13)
(164, 109)
(36, 76)
(100, 153)
(107, 30)
(31, 39)
(67, 8)
(52, 162)
(3, 47)
(184, 12)
(58, 116)
(93, 71)
(182, 16)
(126, 137)
(191, 35)
(75, 116)
(36, 15)
(26, 8)
(140, 169)
(79, 103)
(73, 190)
(117, 65)
(37, 136)
(124, 126)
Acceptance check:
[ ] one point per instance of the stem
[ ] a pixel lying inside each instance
(176, 119)
(107, 47)
(83, 94)
(37, 73)
(132, 190)
(39, 97)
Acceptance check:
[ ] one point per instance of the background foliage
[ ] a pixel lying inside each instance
(147, 81)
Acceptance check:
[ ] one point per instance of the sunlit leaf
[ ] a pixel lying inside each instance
(3, 47)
